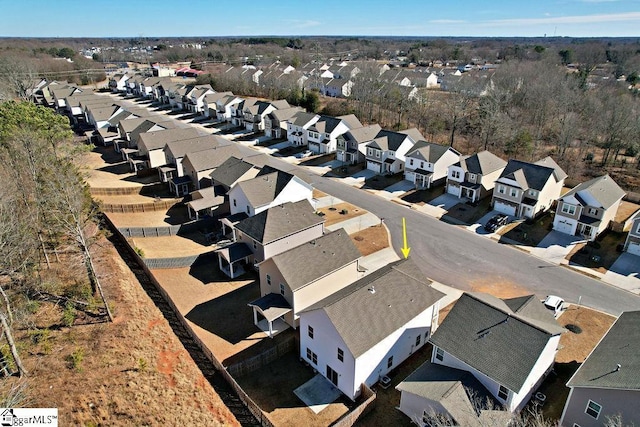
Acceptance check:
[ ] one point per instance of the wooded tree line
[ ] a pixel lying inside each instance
(47, 221)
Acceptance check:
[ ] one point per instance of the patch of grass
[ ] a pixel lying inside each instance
(529, 232)
(142, 365)
(139, 251)
(74, 360)
(599, 255)
(69, 314)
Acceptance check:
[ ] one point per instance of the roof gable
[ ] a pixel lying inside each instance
(600, 192)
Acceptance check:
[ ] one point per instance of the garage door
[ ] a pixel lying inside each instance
(452, 189)
(634, 249)
(504, 208)
(373, 166)
(563, 227)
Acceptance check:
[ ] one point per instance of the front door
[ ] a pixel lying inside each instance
(332, 375)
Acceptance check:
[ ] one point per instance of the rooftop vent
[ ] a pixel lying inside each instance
(372, 290)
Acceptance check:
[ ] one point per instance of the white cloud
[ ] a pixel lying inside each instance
(578, 19)
(447, 21)
(300, 23)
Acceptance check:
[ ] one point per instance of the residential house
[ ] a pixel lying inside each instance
(195, 101)
(632, 243)
(508, 345)
(237, 111)
(146, 86)
(361, 332)
(198, 166)
(331, 264)
(427, 163)
(118, 83)
(209, 103)
(174, 152)
(271, 187)
(224, 106)
(275, 123)
(268, 233)
(607, 384)
(60, 93)
(297, 127)
(98, 115)
(322, 135)
(587, 209)
(130, 130)
(351, 146)
(474, 176)
(527, 189)
(254, 114)
(386, 153)
(337, 88)
(151, 144)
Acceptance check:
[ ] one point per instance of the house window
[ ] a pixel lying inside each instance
(426, 419)
(282, 291)
(514, 192)
(255, 245)
(421, 165)
(248, 211)
(638, 229)
(389, 362)
(392, 153)
(235, 203)
(568, 209)
(503, 392)
(312, 357)
(378, 153)
(455, 174)
(340, 355)
(310, 331)
(268, 280)
(593, 211)
(533, 193)
(502, 189)
(439, 354)
(593, 409)
(472, 177)
(418, 339)
(410, 162)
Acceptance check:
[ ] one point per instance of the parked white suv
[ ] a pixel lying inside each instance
(555, 304)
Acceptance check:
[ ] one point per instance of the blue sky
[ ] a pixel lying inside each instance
(135, 18)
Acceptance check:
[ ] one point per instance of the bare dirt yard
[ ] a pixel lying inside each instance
(340, 212)
(371, 239)
(133, 371)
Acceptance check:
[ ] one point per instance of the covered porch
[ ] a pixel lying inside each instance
(231, 259)
(588, 227)
(422, 179)
(128, 153)
(166, 173)
(203, 202)
(470, 191)
(229, 223)
(272, 307)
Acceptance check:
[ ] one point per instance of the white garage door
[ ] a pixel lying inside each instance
(564, 227)
(373, 166)
(504, 208)
(452, 189)
(634, 249)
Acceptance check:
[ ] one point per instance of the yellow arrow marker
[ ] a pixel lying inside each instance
(405, 248)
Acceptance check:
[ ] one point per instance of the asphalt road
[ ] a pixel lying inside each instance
(456, 257)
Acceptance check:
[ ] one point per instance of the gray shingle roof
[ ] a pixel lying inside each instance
(363, 134)
(603, 189)
(230, 171)
(390, 140)
(264, 188)
(192, 145)
(487, 334)
(302, 118)
(319, 257)
(550, 163)
(364, 318)
(528, 175)
(212, 158)
(280, 221)
(428, 151)
(620, 346)
(284, 114)
(158, 139)
(326, 124)
(482, 163)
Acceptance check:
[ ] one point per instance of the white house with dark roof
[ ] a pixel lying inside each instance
(237, 110)
(174, 152)
(255, 114)
(151, 144)
(474, 176)
(588, 208)
(271, 187)
(297, 127)
(361, 332)
(195, 101)
(209, 103)
(225, 105)
(275, 123)
(508, 345)
(525, 189)
(322, 135)
(331, 264)
(632, 243)
(427, 163)
(269, 233)
(386, 152)
(607, 384)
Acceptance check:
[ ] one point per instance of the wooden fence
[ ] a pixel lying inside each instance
(351, 417)
(161, 205)
(117, 191)
(254, 363)
(170, 230)
(175, 262)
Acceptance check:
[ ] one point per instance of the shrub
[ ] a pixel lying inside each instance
(139, 251)
(75, 359)
(69, 314)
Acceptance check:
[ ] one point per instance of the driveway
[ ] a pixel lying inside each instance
(555, 247)
(478, 227)
(439, 206)
(397, 189)
(358, 178)
(317, 393)
(625, 273)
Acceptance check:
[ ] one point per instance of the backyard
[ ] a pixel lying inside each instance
(339, 212)
(371, 239)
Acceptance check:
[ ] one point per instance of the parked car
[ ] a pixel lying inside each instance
(304, 154)
(496, 222)
(554, 303)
